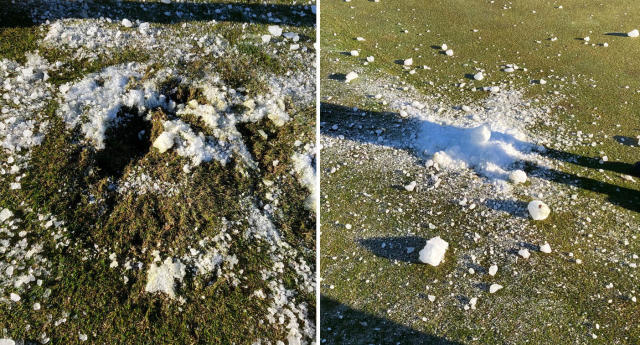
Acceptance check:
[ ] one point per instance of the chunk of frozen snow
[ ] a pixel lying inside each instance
(633, 33)
(350, 76)
(5, 214)
(545, 248)
(354, 53)
(524, 252)
(370, 59)
(518, 176)
(433, 252)
(275, 30)
(478, 76)
(408, 62)
(7, 341)
(444, 46)
(493, 270)
(14, 297)
(494, 288)
(162, 278)
(449, 52)
(265, 38)
(538, 210)
(411, 186)
(127, 23)
(480, 135)
(164, 141)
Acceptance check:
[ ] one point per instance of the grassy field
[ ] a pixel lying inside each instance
(87, 223)
(373, 290)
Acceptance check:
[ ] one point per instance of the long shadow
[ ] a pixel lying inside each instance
(336, 114)
(341, 324)
(157, 12)
(395, 247)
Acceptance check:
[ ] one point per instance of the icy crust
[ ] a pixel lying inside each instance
(90, 38)
(25, 94)
(187, 143)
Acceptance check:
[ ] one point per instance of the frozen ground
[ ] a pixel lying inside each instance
(419, 146)
(157, 160)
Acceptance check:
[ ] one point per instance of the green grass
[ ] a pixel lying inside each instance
(550, 299)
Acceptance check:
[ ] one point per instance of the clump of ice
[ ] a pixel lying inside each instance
(478, 76)
(434, 251)
(518, 176)
(494, 288)
(493, 270)
(196, 146)
(633, 33)
(350, 76)
(305, 169)
(275, 30)
(545, 248)
(411, 186)
(524, 253)
(408, 62)
(5, 214)
(538, 210)
(164, 142)
(161, 278)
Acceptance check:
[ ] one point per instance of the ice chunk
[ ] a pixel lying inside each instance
(449, 52)
(350, 76)
(162, 278)
(7, 341)
(275, 30)
(5, 214)
(494, 288)
(411, 186)
(444, 46)
(493, 270)
(433, 252)
(164, 141)
(545, 248)
(408, 62)
(127, 23)
(633, 33)
(370, 59)
(14, 297)
(524, 252)
(538, 210)
(354, 53)
(265, 38)
(478, 76)
(518, 176)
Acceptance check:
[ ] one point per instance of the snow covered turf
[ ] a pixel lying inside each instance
(157, 167)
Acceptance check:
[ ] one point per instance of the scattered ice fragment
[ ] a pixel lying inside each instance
(587, 39)
(431, 298)
(127, 23)
(433, 252)
(518, 176)
(633, 33)
(494, 288)
(14, 297)
(5, 214)
(354, 53)
(275, 30)
(408, 62)
(164, 141)
(265, 38)
(7, 341)
(370, 59)
(162, 278)
(538, 210)
(524, 252)
(493, 270)
(82, 337)
(449, 52)
(411, 186)
(545, 248)
(348, 226)
(478, 76)
(350, 76)
(444, 46)
(36, 306)
(542, 81)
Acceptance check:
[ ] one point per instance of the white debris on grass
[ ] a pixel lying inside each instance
(633, 33)
(5, 214)
(7, 341)
(161, 278)
(518, 177)
(494, 288)
(478, 76)
(350, 76)
(196, 146)
(434, 251)
(538, 210)
(493, 270)
(545, 248)
(408, 62)
(411, 186)
(304, 168)
(275, 30)
(524, 253)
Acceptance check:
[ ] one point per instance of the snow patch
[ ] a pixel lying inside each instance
(161, 278)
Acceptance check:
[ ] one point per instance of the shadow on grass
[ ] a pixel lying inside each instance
(619, 34)
(156, 12)
(394, 248)
(337, 114)
(342, 324)
(515, 208)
